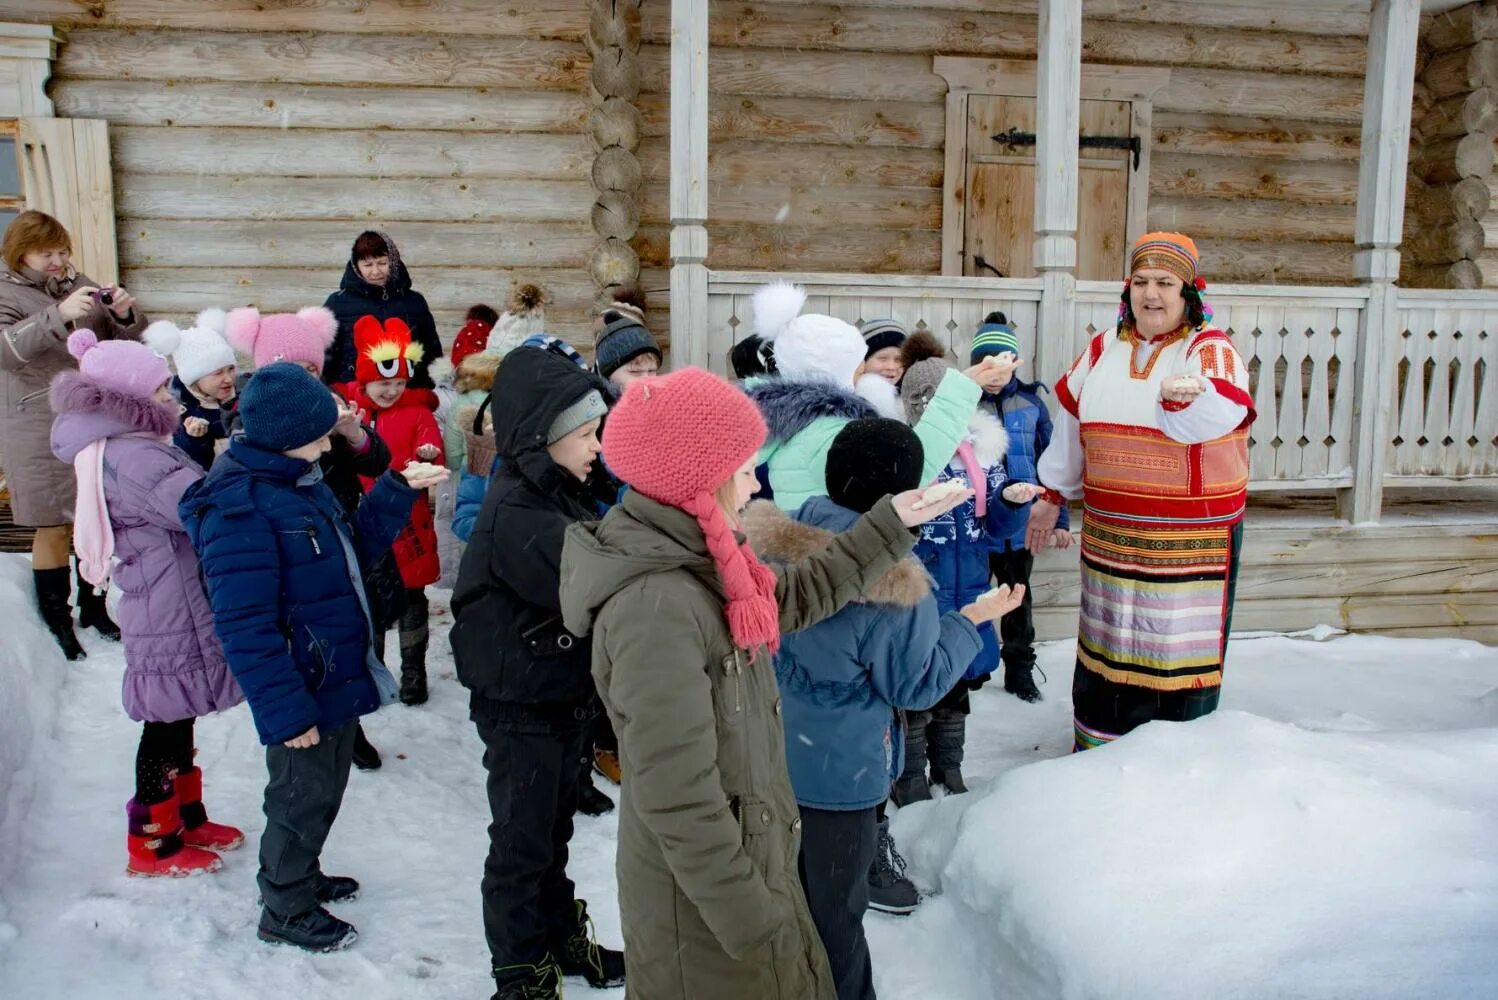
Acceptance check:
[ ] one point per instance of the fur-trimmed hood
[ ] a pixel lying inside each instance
(990, 441)
(88, 412)
(477, 371)
(789, 407)
(777, 537)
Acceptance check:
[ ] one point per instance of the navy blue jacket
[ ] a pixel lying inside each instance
(1028, 422)
(271, 539)
(356, 297)
(842, 679)
(199, 449)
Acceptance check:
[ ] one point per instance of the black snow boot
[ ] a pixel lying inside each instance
(582, 955)
(912, 785)
(316, 930)
(1019, 680)
(889, 890)
(337, 888)
(590, 801)
(366, 757)
(542, 981)
(948, 734)
(53, 587)
(92, 612)
(413, 641)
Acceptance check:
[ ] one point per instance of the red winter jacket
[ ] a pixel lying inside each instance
(404, 427)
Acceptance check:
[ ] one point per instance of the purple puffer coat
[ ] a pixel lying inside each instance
(174, 666)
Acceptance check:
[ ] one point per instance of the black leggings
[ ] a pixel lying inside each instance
(165, 750)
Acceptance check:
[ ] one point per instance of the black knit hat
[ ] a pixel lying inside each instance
(623, 339)
(754, 355)
(870, 459)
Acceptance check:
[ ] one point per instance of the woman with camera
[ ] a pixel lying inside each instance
(43, 298)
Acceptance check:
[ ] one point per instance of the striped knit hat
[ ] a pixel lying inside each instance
(881, 333)
(994, 337)
(1171, 252)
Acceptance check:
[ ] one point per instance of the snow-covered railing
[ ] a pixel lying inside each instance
(1300, 344)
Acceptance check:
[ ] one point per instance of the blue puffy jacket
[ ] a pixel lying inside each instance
(1028, 423)
(470, 499)
(281, 565)
(842, 679)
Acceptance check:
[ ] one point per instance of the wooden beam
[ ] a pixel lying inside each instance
(874, 124)
(689, 181)
(1324, 183)
(1260, 221)
(1058, 103)
(1466, 25)
(765, 162)
(1461, 70)
(1260, 138)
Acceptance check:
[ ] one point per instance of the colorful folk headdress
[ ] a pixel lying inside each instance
(1171, 252)
(384, 352)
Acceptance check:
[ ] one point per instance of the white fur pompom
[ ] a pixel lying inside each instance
(881, 393)
(163, 337)
(774, 306)
(213, 319)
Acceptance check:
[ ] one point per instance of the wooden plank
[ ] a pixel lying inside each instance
(787, 248)
(1277, 263)
(1338, 100)
(1323, 183)
(296, 106)
(917, 124)
(324, 57)
(874, 76)
(763, 163)
(546, 19)
(1253, 220)
(389, 199)
(1263, 138)
(319, 153)
(166, 243)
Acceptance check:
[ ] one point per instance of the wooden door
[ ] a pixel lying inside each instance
(999, 224)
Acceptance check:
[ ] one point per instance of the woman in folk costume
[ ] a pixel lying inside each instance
(1152, 436)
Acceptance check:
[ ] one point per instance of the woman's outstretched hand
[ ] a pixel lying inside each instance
(914, 513)
(1043, 518)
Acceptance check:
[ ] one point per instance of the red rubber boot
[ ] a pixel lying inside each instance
(197, 830)
(155, 843)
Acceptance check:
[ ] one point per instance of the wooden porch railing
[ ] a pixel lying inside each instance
(1299, 343)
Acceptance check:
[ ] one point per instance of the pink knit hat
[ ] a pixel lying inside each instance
(127, 367)
(302, 337)
(676, 439)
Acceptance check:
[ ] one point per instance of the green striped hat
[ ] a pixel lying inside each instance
(995, 336)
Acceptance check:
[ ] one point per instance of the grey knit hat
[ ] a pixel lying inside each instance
(919, 385)
(623, 339)
(588, 407)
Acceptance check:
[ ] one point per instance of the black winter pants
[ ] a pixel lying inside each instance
(837, 849)
(301, 801)
(1017, 628)
(165, 749)
(533, 759)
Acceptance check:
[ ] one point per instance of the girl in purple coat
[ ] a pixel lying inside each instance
(115, 418)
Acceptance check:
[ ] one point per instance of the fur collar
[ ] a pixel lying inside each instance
(789, 406)
(990, 441)
(778, 537)
(882, 394)
(74, 392)
(477, 372)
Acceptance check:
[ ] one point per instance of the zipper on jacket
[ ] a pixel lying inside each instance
(737, 672)
(312, 537)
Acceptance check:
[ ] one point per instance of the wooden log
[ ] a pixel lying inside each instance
(1462, 274)
(1462, 70)
(1457, 116)
(1265, 95)
(1217, 135)
(616, 73)
(535, 19)
(910, 124)
(1445, 241)
(294, 106)
(1325, 183)
(390, 199)
(1253, 220)
(1468, 198)
(613, 263)
(1278, 263)
(616, 169)
(873, 76)
(1447, 162)
(1347, 19)
(1459, 28)
(765, 162)
(614, 215)
(1487, 266)
(178, 243)
(830, 206)
(792, 248)
(614, 24)
(323, 153)
(326, 57)
(615, 122)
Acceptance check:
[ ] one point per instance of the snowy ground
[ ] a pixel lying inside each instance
(1329, 834)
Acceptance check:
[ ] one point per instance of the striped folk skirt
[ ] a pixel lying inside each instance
(1157, 606)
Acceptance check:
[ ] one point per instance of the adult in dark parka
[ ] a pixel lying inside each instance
(377, 283)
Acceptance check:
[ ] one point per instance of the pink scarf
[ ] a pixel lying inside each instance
(93, 536)
(753, 613)
(976, 476)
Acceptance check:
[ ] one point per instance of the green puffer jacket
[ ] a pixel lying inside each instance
(709, 831)
(804, 417)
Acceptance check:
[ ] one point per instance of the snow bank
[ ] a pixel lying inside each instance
(1230, 857)
(31, 673)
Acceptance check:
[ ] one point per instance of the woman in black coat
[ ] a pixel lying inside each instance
(376, 283)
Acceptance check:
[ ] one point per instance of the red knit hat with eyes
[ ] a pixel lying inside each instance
(676, 439)
(384, 351)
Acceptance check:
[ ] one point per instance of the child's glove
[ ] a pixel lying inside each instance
(195, 426)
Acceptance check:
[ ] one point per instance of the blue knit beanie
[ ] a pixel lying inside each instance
(995, 336)
(623, 339)
(283, 407)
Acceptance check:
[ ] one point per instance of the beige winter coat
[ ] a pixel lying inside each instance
(709, 831)
(33, 349)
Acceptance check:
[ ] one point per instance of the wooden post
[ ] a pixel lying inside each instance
(689, 183)
(1058, 111)
(26, 54)
(1388, 97)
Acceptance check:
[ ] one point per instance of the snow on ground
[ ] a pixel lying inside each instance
(1323, 836)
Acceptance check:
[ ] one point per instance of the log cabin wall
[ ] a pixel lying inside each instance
(252, 142)
(827, 128)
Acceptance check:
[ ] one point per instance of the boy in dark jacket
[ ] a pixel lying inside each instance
(1028, 424)
(282, 567)
(843, 678)
(532, 692)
